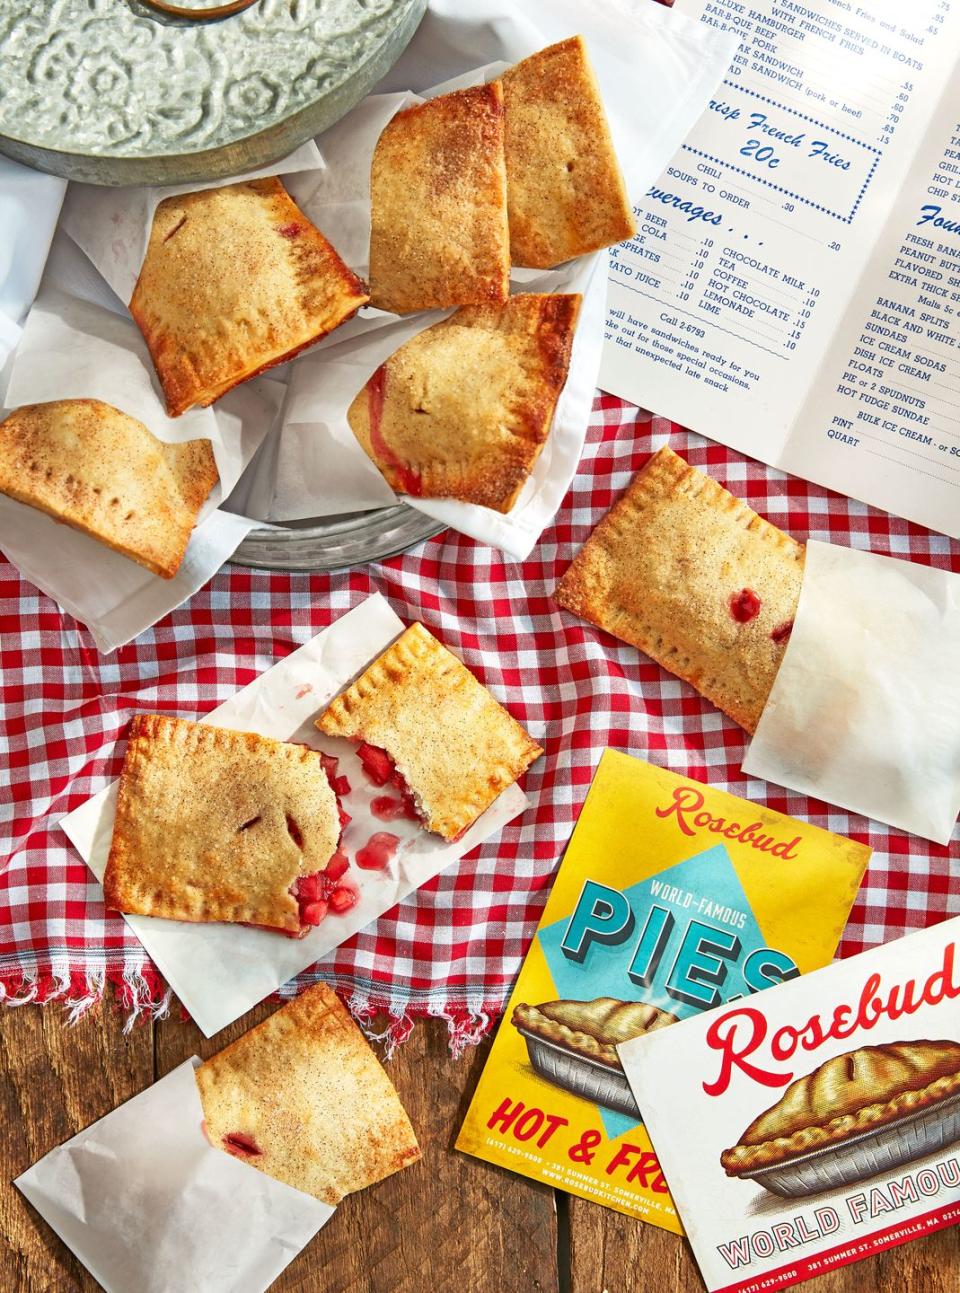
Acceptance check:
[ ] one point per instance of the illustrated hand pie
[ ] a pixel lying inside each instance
(869, 1110)
(688, 573)
(235, 280)
(94, 468)
(439, 205)
(591, 1029)
(565, 191)
(464, 408)
(302, 1098)
(425, 725)
(219, 825)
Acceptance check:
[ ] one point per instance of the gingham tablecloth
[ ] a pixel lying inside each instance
(453, 948)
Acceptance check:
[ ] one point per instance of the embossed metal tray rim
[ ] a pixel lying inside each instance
(337, 542)
(581, 1075)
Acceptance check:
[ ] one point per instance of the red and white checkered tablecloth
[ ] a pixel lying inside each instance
(452, 948)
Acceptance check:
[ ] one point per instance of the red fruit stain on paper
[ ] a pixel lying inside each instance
(305, 690)
(378, 852)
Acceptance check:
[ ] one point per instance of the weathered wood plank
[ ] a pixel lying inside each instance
(54, 1081)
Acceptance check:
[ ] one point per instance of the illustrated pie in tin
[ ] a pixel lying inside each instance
(688, 573)
(425, 726)
(591, 1029)
(464, 408)
(866, 1111)
(302, 1098)
(235, 280)
(217, 825)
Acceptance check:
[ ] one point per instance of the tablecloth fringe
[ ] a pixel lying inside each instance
(466, 1026)
(141, 993)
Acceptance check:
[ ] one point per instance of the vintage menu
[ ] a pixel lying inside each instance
(817, 1124)
(672, 899)
(794, 284)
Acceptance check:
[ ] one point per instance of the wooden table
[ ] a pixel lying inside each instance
(451, 1223)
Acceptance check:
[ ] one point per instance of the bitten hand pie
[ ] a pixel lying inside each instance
(463, 409)
(427, 726)
(302, 1098)
(439, 205)
(219, 825)
(94, 468)
(565, 192)
(688, 573)
(235, 280)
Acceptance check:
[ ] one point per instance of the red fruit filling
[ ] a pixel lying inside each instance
(343, 898)
(341, 786)
(745, 606)
(337, 866)
(377, 764)
(382, 771)
(782, 632)
(242, 1145)
(289, 230)
(389, 809)
(312, 913)
(315, 892)
(378, 851)
(408, 480)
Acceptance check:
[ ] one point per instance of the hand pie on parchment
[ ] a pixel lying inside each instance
(235, 280)
(565, 192)
(92, 467)
(303, 1098)
(464, 408)
(439, 205)
(690, 575)
(220, 825)
(425, 725)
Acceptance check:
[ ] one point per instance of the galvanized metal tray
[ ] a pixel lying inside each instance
(581, 1075)
(128, 92)
(336, 542)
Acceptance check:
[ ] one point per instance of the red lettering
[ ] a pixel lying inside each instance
(528, 1124)
(785, 1042)
(685, 800)
(725, 1040)
(554, 1123)
(505, 1114)
(646, 1170)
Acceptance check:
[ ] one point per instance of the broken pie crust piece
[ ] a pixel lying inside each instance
(303, 1098)
(235, 280)
(90, 466)
(438, 196)
(847, 1096)
(464, 408)
(453, 744)
(592, 1029)
(690, 575)
(565, 192)
(214, 824)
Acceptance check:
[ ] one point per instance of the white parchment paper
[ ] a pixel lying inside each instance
(149, 1206)
(219, 971)
(865, 711)
(29, 209)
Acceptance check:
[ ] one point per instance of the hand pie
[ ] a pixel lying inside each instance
(439, 205)
(899, 1091)
(235, 280)
(688, 573)
(425, 725)
(302, 1098)
(464, 408)
(94, 468)
(565, 192)
(219, 825)
(591, 1029)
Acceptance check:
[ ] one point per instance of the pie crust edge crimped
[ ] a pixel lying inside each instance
(576, 1040)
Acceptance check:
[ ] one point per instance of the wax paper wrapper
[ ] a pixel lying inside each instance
(219, 971)
(149, 1206)
(112, 225)
(29, 207)
(865, 710)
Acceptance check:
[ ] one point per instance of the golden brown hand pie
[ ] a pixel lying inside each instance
(437, 732)
(235, 280)
(848, 1096)
(592, 1029)
(565, 191)
(688, 573)
(214, 824)
(438, 199)
(92, 467)
(302, 1098)
(464, 408)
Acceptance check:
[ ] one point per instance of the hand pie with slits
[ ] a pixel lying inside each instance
(219, 825)
(425, 725)
(690, 575)
(302, 1098)
(438, 203)
(90, 466)
(464, 408)
(235, 280)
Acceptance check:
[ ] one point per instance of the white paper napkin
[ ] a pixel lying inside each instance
(865, 710)
(149, 1206)
(29, 207)
(219, 971)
